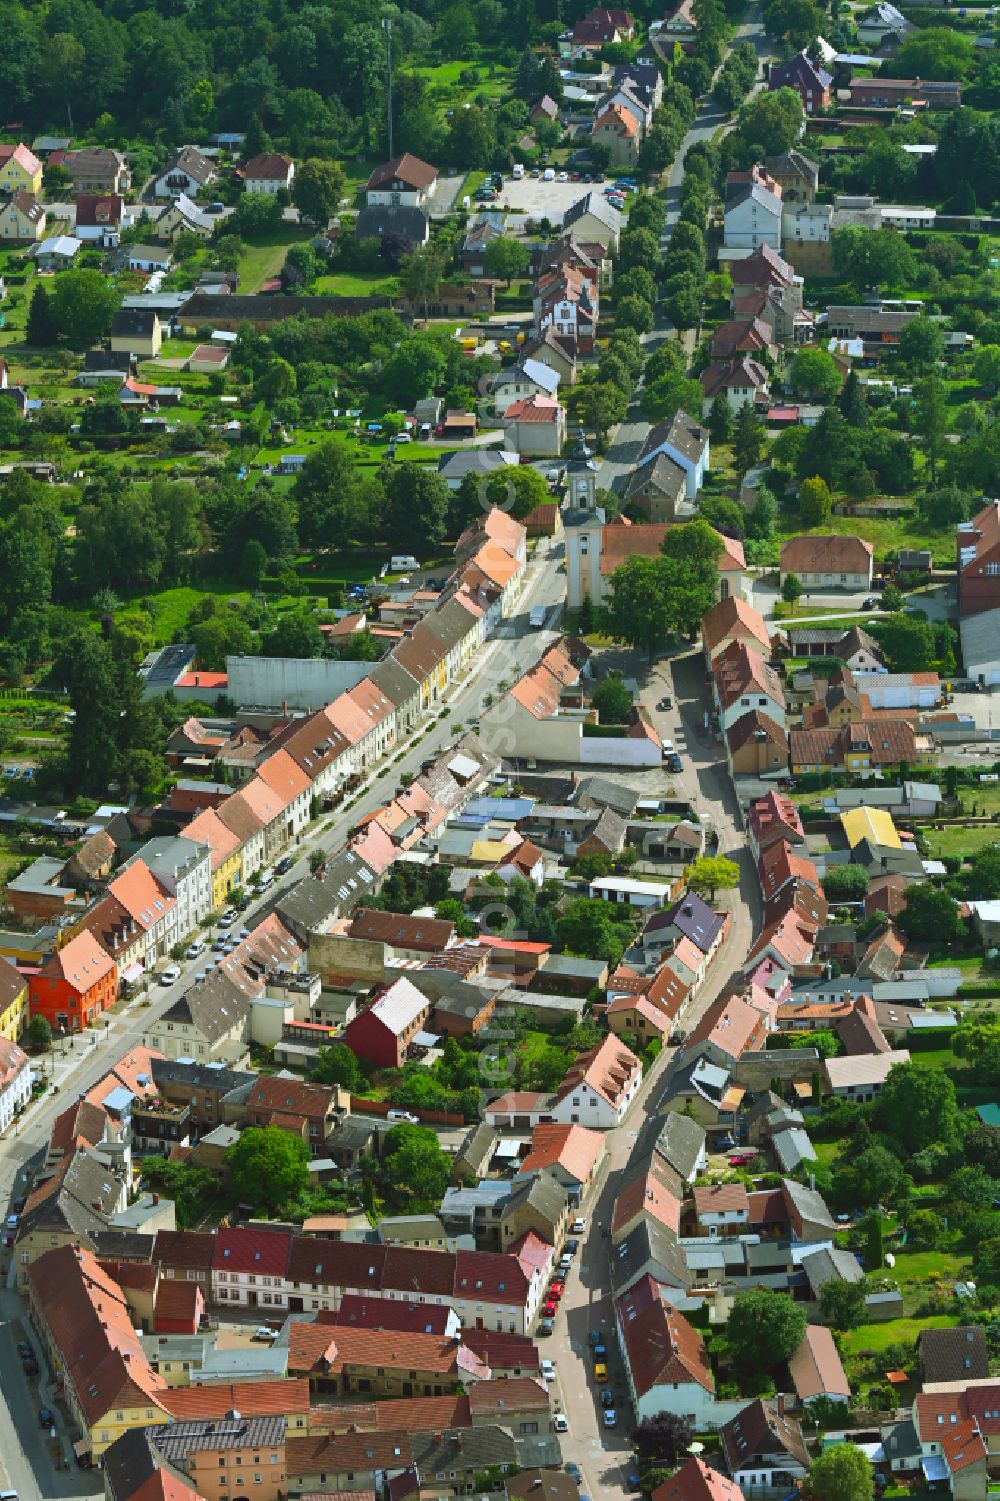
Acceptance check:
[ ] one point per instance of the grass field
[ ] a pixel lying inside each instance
(883, 534)
(893, 1331)
(959, 840)
(357, 284)
(266, 256)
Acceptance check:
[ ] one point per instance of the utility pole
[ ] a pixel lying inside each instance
(387, 24)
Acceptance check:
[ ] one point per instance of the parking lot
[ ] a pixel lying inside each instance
(543, 200)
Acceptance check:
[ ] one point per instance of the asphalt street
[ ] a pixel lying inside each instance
(605, 1455)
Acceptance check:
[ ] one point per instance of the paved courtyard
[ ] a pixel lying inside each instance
(543, 200)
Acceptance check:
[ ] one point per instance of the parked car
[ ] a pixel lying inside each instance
(574, 1472)
(600, 1371)
(404, 1115)
(46, 1417)
(171, 974)
(194, 949)
(551, 1308)
(666, 702)
(610, 1418)
(560, 1423)
(555, 1292)
(572, 1246)
(227, 919)
(674, 763)
(545, 1328)
(547, 1369)
(579, 1225)
(871, 602)
(607, 1397)
(285, 863)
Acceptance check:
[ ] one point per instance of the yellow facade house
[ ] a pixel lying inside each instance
(19, 168)
(13, 1001)
(224, 846)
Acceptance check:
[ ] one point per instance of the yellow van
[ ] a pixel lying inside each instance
(469, 343)
(600, 1371)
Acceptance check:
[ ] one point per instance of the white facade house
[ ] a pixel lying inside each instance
(16, 1079)
(686, 443)
(269, 173)
(753, 218)
(187, 171)
(807, 222)
(628, 893)
(403, 180)
(600, 1088)
(184, 868)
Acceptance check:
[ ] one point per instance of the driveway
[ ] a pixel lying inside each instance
(605, 1455)
(445, 192)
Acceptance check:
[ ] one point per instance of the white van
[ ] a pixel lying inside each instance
(517, 172)
(265, 878)
(403, 560)
(537, 617)
(549, 175)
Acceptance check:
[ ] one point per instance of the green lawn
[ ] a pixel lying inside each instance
(958, 840)
(921, 1265)
(357, 284)
(266, 256)
(894, 1331)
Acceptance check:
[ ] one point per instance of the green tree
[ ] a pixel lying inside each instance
(815, 501)
(851, 402)
(985, 364)
(253, 564)
(921, 343)
(602, 406)
(814, 374)
(588, 927)
(764, 1328)
(929, 914)
(925, 1230)
(276, 382)
(267, 1167)
(917, 1106)
(748, 439)
(791, 589)
(612, 700)
(712, 873)
(86, 668)
(795, 22)
(39, 1034)
(839, 1473)
(908, 643)
(843, 1303)
(416, 507)
(720, 419)
(634, 312)
(518, 490)
(295, 635)
(845, 883)
(82, 305)
(874, 1249)
(505, 258)
(42, 329)
(931, 419)
(421, 271)
(872, 257)
(415, 1170)
(318, 187)
(338, 1064)
(935, 52)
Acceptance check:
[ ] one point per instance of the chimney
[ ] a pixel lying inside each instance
(780, 1404)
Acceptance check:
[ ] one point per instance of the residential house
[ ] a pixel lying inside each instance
(87, 1330)
(686, 443)
(742, 381)
(771, 819)
(99, 219)
(535, 426)
(292, 787)
(136, 331)
(150, 905)
(403, 180)
(952, 1446)
(567, 301)
(182, 865)
(74, 986)
(16, 1074)
(186, 171)
(398, 219)
(868, 744)
(678, 28)
(482, 233)
(744, 681)
(383, 1033)
(13, 1001)
(547, 350)
(892, 93)
(958, 1354)
(666, 1364)
(96, 169)
(749, 335)
(861, 1076)
(527, 378)
(571, 1153)
(22, 218)
(810, 81)
(828, 562)
(618, 130)
(269, 173)
(883, 22)
(695, 1480)
(56, 253)
(217, 1455)
(816, 1369)
(20, 170)
(757, 746)
(978, 561)
(764, 1446)
(752, 215)
(183, 216)
(599, 1087)
(600, 27)
(656, 488)
(592, 218)
(721, 1208)
(224, 854)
